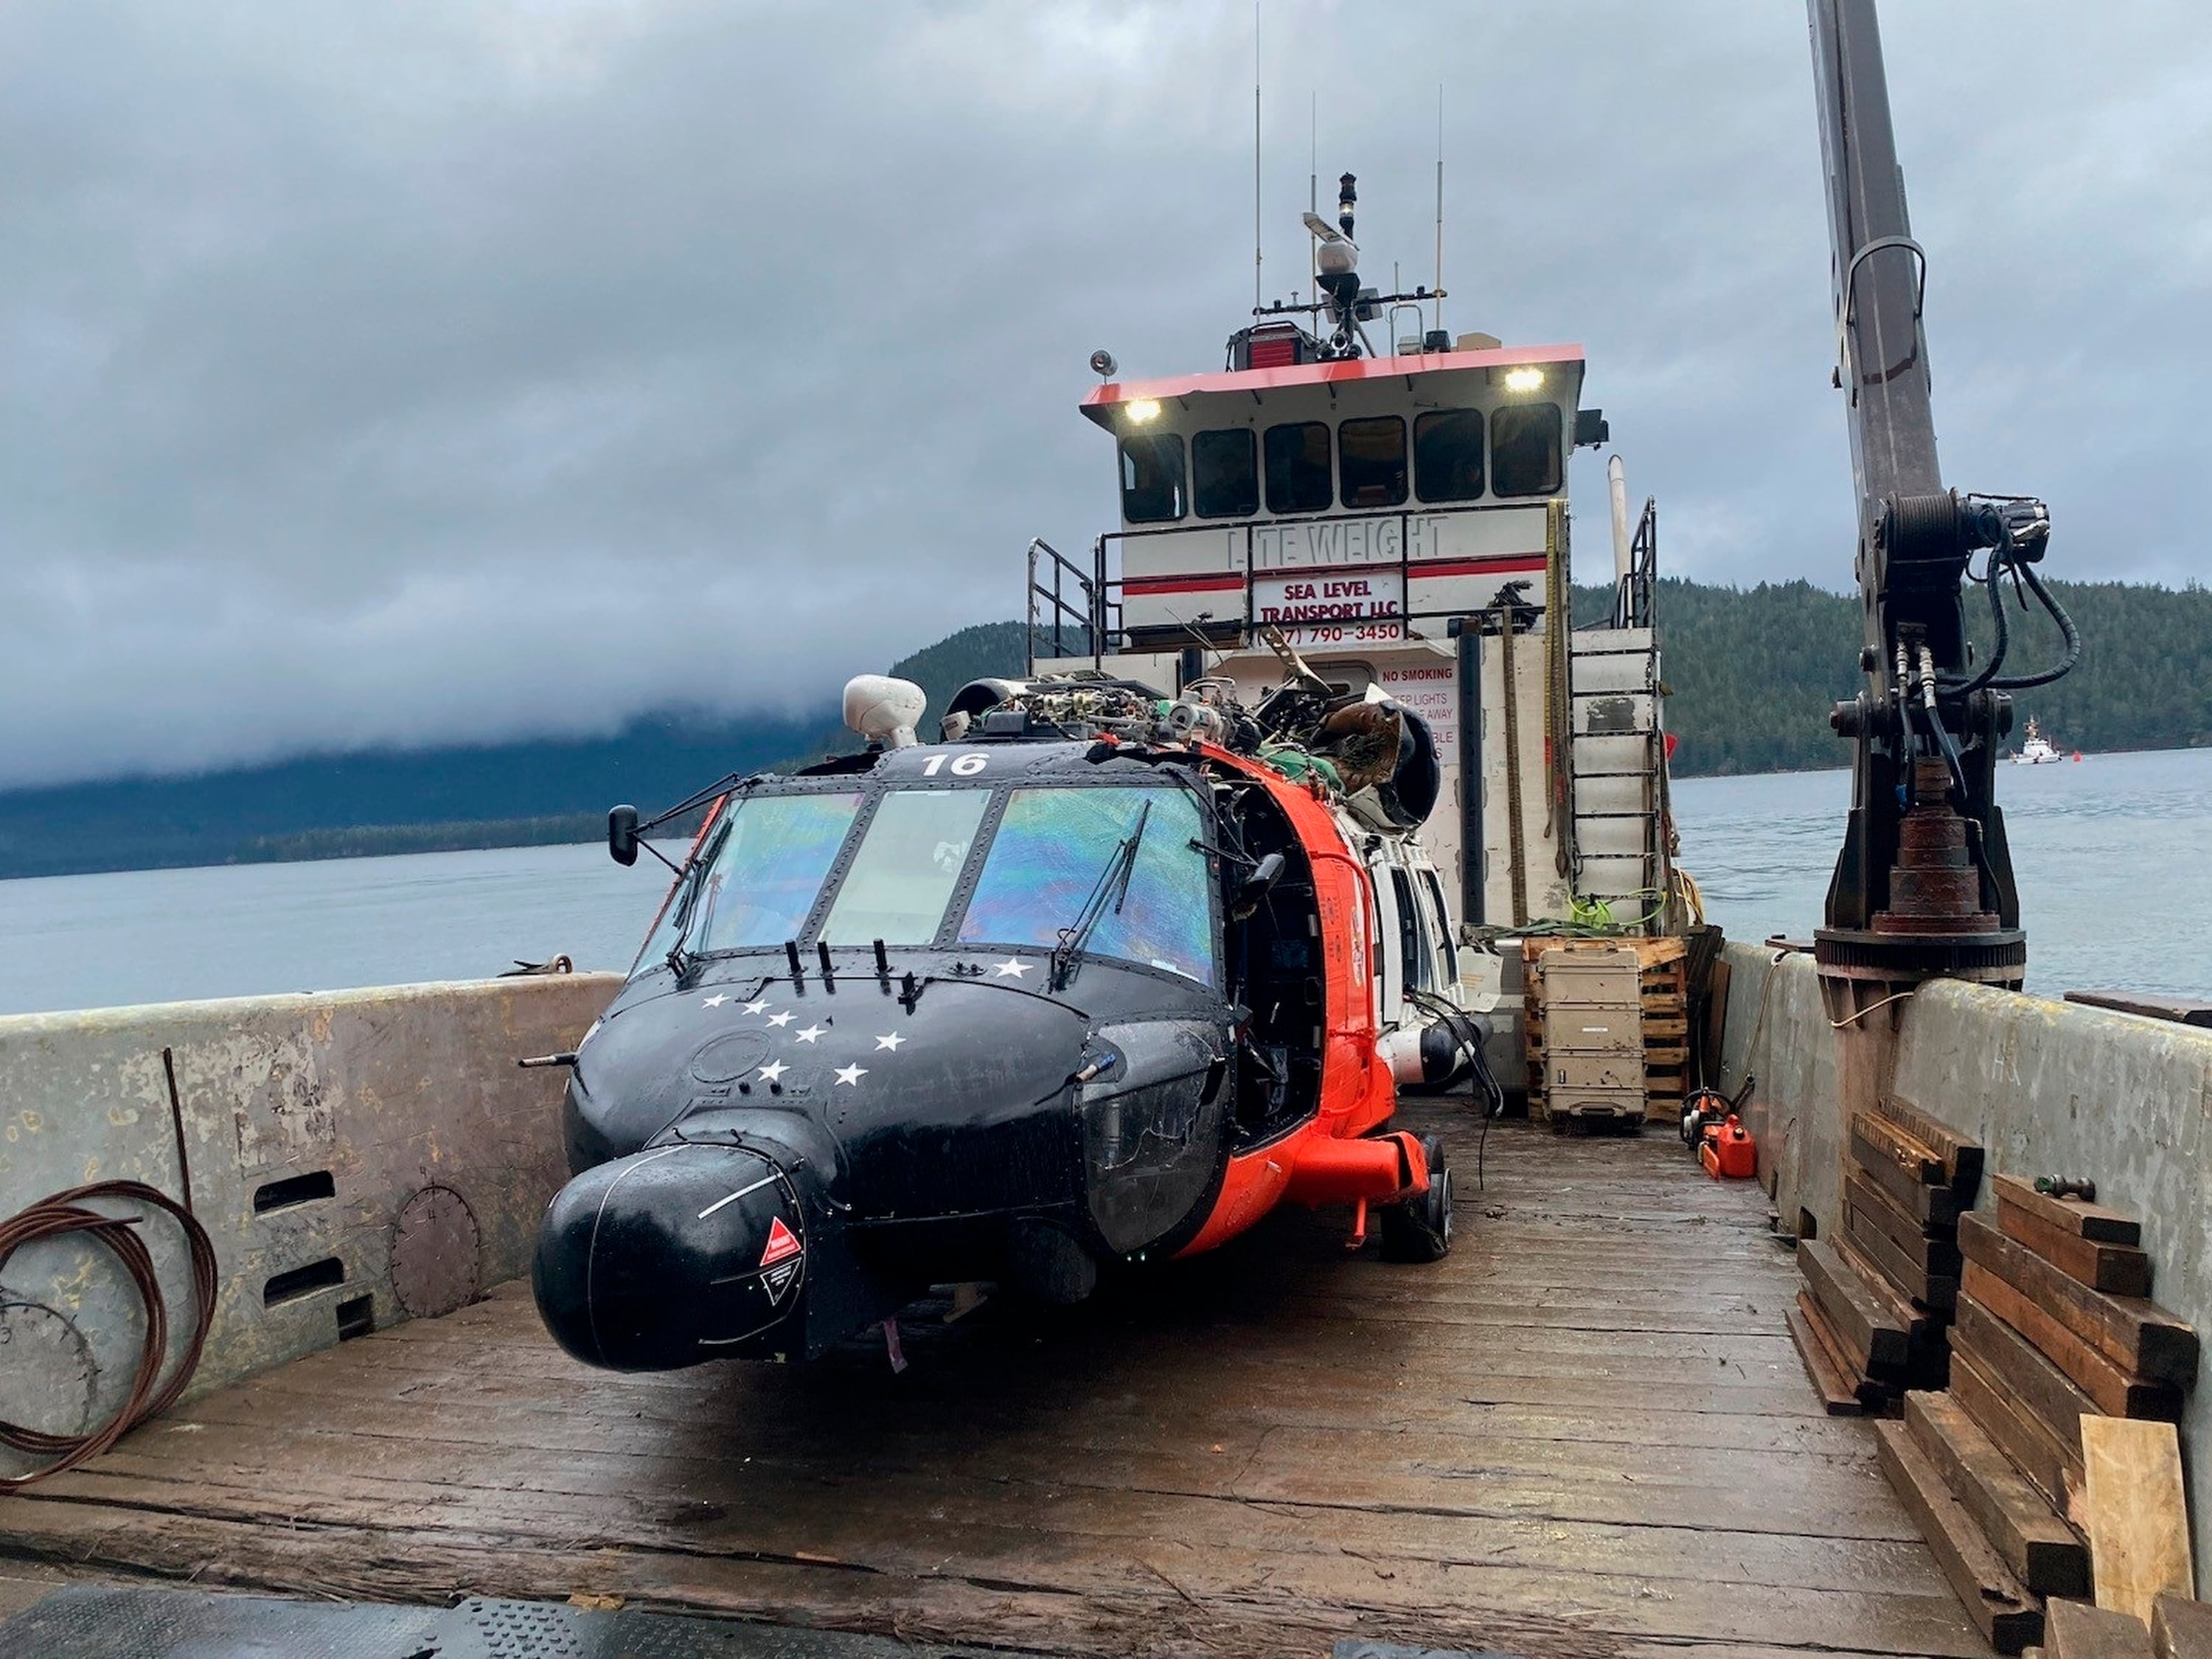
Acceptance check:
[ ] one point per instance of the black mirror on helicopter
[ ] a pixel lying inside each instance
(622, 835)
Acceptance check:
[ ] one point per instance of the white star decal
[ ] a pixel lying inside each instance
(775, 1071)
(783, 1018)
(852, 1074)
(715, 1001)
(753, 1007)
(1011, 968)
(810, 1033)
(890, 1041)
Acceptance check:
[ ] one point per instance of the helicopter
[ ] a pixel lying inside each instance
(1098, 977)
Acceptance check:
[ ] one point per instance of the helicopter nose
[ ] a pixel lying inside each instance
(669, 1257)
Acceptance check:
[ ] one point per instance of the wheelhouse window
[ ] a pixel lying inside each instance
(1297, 467)
(1370, 462)
(1225, 473)
(760, 872)
(1054, 846)
(1524, 449)
(1448, 454)
(904, 871)
(1153, 487)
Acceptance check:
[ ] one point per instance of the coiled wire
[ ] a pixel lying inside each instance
(66, 1213)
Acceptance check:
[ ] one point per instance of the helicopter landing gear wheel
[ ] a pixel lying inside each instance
(1420, 1229)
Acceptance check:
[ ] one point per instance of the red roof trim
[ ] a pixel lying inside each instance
(1233, 582)
(1100, 399)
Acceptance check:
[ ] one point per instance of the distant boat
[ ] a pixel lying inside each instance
(2037, 750)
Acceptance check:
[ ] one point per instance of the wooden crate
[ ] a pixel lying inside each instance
(1667, 1038)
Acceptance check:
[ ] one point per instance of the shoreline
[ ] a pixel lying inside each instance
(581, 830)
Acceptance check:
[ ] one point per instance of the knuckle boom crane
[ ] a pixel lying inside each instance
(1924, 886)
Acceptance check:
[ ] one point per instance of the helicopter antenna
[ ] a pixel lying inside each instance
(1440, 205)
(1257, 299)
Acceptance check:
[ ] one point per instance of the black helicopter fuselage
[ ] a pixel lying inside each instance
(962, 1016)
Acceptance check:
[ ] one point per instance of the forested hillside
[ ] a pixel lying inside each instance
(537, 791)
(989, 650)
(1754, 673)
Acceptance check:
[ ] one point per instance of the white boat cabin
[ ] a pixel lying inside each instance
(1403, 522)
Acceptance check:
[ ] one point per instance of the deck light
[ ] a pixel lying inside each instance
(1523, 380)
(1141, 411)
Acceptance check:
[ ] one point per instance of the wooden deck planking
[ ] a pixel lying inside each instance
(1583, 1434)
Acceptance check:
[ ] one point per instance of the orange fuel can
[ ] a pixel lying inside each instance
(1728, 1151)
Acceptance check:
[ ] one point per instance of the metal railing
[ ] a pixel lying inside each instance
(1069, 629)
(1633, 595)
(1087, 620)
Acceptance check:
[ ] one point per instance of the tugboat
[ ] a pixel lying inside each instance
(1403, 519)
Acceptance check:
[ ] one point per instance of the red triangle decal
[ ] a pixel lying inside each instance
(782, 1243)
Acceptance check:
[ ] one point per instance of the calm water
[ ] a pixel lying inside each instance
(2114, 858)
(243, 929)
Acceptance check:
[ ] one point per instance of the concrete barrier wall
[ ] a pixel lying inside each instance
(2048, 1088)
(356, 1157)
(1776, 1034)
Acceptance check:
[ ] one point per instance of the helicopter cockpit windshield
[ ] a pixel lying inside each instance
(952, 865)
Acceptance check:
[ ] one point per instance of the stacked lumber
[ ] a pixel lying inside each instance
(2177, 1628)
(2180, 1628)
(1872, 1321)
(1665, 1007)
(2049, 1467)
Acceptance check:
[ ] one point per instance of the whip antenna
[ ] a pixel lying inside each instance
(1257, 300)
(1313, 179)
(1440, 206)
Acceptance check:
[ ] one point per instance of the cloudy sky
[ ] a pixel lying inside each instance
(391, 373)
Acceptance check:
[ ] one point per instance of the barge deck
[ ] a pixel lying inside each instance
(1583, 1433)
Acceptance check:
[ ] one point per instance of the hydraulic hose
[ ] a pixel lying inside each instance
(1999, 641)
(66, 1213)
(2066, 628)
(2016, 530)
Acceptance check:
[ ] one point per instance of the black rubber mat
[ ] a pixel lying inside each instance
(103, 1621)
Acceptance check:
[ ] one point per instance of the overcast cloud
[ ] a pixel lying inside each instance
(393, 372)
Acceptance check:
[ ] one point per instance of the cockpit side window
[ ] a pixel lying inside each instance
(1152, 477)
(1370, 460)
(1448, 454)
(1054, 846)
(1297, 467)
(1225, 473)
(1524, 449)
(906, 868)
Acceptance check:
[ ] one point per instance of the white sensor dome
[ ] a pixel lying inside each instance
(884, 710)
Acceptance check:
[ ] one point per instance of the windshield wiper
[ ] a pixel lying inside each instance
(1112, 886)
(698, 904)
